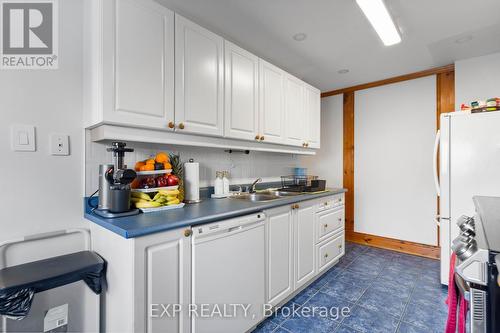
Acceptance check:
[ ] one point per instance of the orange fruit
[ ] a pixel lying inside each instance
(150, 161)
(149, 167)
(162, 157)
(138, 165)
(143, 168)
(167, 166)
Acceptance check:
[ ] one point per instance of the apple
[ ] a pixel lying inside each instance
(161, 181)
(172, 180)
(148, 182)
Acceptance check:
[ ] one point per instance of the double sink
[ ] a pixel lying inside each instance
(260, 196)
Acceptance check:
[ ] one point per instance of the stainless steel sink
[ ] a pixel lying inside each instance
(280, 193)
(255, 197)
(263, 195)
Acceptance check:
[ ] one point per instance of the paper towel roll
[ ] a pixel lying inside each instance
(191, 181)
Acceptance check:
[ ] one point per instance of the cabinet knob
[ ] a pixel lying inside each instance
(326, 204)
(171, 124)
(340, 246)
(257, 137)
(297, 206)
(181, 125)
(340, 219)
(262, 138)
(326, 226)
(303, 144)
(326, 255)
(307, 144)
(188, 232)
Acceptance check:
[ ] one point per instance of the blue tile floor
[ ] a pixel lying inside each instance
(383, 291)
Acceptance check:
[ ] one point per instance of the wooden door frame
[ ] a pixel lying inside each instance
(445, 102)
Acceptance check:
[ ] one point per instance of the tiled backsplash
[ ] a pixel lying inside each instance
(243, 168)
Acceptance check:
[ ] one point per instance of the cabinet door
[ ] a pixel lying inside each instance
(241, 113)
(279, 254)
(296, 121)
(313, 111)
(272, 103)
(139, 46)
(304, 243)
(198, 79)
(168, 281)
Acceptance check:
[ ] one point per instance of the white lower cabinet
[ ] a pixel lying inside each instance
(279, 254)
(304, 242)
(146, 275)
(330, 251)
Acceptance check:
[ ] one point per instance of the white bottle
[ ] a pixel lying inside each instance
(219, 184)
(225, 182)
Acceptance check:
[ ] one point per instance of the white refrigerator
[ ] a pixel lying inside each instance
(468, 146)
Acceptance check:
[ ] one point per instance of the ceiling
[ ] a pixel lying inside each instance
(340, 37)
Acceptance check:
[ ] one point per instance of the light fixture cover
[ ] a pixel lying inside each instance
(376, 12)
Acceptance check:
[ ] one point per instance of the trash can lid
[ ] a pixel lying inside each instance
(54, 272)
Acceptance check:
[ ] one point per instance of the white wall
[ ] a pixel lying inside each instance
(477, 79)
(395, 126)
(243, 168)
(328, 162)
(40, 192)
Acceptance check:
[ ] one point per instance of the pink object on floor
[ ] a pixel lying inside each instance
(453, 300)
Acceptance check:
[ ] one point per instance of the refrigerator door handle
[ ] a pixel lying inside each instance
(435, 163)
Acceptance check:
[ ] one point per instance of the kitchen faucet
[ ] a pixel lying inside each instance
(252, 187)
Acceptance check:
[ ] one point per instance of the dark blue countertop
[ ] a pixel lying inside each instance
(209, 210)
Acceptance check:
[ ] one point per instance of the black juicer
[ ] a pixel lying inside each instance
(114, 185)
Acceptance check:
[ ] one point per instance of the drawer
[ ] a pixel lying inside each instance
(330, 251)
(328, 222)
(330, 202)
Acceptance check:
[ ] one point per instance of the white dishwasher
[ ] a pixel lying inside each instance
(228, 275)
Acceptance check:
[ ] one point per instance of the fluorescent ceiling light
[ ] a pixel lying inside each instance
(379, 17)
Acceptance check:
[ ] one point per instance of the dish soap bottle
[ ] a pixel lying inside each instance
(225, 182)
(219, 183)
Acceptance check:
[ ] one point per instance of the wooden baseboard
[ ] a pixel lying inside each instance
(417, 249)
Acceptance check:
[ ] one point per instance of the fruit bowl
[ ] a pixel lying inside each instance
(155, 189)
(154, 172)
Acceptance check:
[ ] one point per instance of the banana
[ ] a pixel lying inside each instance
(169, 192)
(147, 204)
(141, 195)
(134, 200)
(173, 202)
(157, 196)
(171, 197)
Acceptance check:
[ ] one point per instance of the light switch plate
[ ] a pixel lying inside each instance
(22, 137)
(59, 144)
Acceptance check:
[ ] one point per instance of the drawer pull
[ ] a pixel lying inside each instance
(188, 232)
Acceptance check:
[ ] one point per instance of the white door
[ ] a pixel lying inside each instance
(272, 103)
(279, 254)
(168, 271)
(313, 115)
(140, 91)
(304, 243)
(296, 123)
(199, 79)
(241, 93)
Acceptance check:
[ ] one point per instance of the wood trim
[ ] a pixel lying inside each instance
(445, 102)
(406, 77)
(348, 156)
(418, 249)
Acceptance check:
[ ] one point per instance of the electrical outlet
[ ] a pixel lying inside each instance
(59, 144)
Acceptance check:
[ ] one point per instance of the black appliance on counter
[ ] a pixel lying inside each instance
(478, 252)
(302, 183)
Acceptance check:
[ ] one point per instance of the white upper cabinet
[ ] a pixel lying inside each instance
(241, 93)
(129, 63)
(313, 115)
(199, 88)
(272, 103)
(296, 122)
(147, 67)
